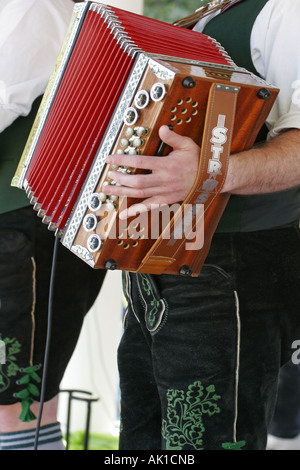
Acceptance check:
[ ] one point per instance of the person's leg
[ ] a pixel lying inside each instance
(26, 252)
(17, 435)
(9, 416)
(140, 406)
(216, 351)
(284, 430)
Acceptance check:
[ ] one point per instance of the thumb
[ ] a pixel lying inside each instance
(176, 141)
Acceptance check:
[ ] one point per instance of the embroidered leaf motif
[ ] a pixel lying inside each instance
(184, 425)
(155, 304)
(234, 445)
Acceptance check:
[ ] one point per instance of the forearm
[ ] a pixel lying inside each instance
(275, 166)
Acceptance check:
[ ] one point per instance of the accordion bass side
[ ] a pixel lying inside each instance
(118, 79)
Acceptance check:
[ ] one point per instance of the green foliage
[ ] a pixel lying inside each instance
(170, 10)
(96, 441)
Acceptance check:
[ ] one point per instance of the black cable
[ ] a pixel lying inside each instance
(48, 340)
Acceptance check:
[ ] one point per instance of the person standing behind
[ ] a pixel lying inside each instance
(31, 34)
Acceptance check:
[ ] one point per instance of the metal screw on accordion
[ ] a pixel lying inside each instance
(264, 94)
(111, 265)
(188, 82)
(185, 271)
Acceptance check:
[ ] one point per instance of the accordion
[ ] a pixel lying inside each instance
(119, 77)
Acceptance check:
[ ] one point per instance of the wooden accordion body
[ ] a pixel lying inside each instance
(118, 78)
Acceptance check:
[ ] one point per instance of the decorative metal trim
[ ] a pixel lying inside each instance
(84, 254)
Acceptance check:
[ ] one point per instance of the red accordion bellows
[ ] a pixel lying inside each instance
(89, 91)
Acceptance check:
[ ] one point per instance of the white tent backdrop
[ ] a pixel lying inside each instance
(93, 366)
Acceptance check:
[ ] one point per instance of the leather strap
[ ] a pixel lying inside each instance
(212, 171)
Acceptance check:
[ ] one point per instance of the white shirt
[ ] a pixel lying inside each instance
(275, 48)
(31, 34)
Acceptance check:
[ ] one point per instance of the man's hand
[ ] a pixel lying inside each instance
(171, 178)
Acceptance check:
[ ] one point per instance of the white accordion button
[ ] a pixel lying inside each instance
(131, 116)
(158, 92)
(137, 142)
(141, 131)
(94, 243)
(95, 201)
(124, 143)
(90, 222)
(110, 206)
(142, 99)
(129, 132)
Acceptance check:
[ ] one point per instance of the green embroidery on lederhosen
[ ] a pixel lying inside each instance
(155, 307)
(185, 416)
(12, 348)
(234, 445)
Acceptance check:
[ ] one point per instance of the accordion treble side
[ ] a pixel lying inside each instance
(117, 80)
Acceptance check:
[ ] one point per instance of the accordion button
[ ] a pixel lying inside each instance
(124, 142)
(142, 99)
(131, 116)
(90, 222)
(141, 131)
(158, 92)
(129, 132)
(94, 243)
(102, 197)
(95, 202)
(132, 151)
(137, 143)
(110, 206)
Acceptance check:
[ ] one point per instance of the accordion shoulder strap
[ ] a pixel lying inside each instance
(212, 171)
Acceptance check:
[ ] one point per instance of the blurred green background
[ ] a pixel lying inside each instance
(170, 10)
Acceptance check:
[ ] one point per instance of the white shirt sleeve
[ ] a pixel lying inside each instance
(275, 48)
(31, 34)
